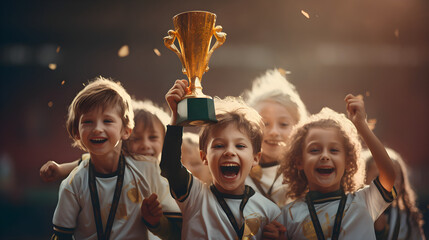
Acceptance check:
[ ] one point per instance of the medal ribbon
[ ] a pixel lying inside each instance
(338, 217)
(248, 192)
(105, 235)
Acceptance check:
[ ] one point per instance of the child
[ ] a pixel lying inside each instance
(281, 108)
(324, 174)
(146, 139)
(230, 148)
(100, 118)
(391, 225)
(148, 134)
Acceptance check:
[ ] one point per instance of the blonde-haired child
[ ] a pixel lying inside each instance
(230, 148)
(280, 106)
(191, 157)
(148, 134)
(102, 197)
(403, 220)
(324, 172)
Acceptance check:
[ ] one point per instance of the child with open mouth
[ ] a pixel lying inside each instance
(325, 173)
(230, 148)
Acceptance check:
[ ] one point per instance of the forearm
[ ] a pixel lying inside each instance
(171, 166)
(66, 168)
(381, 158)
(166, 229)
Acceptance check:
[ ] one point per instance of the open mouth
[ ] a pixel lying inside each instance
(98, 140)
(230, 170)
(325, 170)
(275, 142)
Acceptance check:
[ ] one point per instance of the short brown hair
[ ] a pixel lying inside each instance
(231, 110)
(354, 171)
(100, 92)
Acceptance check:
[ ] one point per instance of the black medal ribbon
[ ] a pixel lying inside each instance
(261, 190)
(397, 224)
(338, 217)
(105, 235)
(248, 192)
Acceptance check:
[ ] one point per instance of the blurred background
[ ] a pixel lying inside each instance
(49, 49)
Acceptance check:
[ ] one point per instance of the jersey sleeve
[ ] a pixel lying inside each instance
(67, 210)
(377, 198)
(171, 167)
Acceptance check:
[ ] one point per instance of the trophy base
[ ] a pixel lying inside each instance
(195, 112)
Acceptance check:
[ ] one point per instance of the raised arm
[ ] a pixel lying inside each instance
(171, 166)
(356, 112)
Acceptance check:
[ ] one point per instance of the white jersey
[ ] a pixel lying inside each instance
(415, 232)
(279, 190)
(204, 218)
(74, 212)
(361, 210)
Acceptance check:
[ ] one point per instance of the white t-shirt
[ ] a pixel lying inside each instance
(403, 229)
(361, 210)
(279, 190)
(204, 218)
(74, 210)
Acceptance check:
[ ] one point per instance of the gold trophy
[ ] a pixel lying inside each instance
(194, 31)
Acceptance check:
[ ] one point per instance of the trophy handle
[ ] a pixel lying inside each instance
(220, 39)
(169, 43)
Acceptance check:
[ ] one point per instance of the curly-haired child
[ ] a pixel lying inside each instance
(324, 172)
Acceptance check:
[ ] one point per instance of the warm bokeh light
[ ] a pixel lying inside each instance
(124, 51)
(52, 66)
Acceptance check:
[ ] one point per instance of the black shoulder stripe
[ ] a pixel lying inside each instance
(387, 196)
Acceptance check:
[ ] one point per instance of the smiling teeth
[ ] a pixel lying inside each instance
(273, 142)
(229, 165)
(98, 140)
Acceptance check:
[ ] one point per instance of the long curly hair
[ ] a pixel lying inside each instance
(353, 177)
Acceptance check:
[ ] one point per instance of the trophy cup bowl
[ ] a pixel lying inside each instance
(194, 31)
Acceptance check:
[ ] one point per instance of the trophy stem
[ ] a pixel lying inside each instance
(195, 89)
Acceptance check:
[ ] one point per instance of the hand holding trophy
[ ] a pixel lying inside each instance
(194, 31)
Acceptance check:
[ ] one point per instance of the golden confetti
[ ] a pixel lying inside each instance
(124, 51)
(305, 14)
(396, 33)
(63, 82)
(157, 52)
(52, 66)
(50, 104)
(367, 93)
(371, 123)
(58, 49)
(283, 72)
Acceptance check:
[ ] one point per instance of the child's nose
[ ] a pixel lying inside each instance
(98, 127)
(325, 155)
(273, 130)
(229, 151)
(144, 144)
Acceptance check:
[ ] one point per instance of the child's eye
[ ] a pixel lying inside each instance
(217, 146)
(240, 146)
(154, 137)
(134, 139)
(314, 150)
(284, 124)
(86, 121)
(108, 121)
(334, 150)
